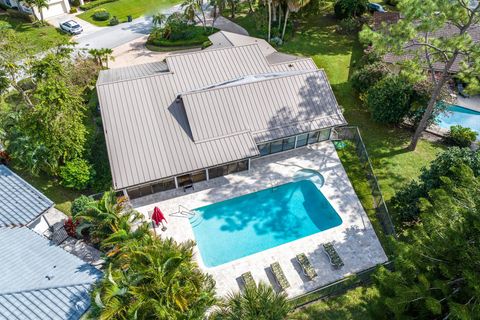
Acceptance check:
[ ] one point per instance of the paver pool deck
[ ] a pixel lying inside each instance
(355, 239)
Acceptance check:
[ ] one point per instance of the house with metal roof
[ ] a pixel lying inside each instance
(204, 114)
(40, 280)
(20, 203)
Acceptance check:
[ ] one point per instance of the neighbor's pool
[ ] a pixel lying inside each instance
(457, 115)
(238, 227)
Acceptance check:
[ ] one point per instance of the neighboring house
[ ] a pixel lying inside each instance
(55, 7)
(20, 203)
(205, 114)
(381, 19)
(41, 281)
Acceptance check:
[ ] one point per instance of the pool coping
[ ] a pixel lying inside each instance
(355, 239)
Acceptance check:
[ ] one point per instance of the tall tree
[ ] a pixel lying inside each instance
(419, 33)
(437, 268)
(191, 9)
(292, 6)
(154, 278)
(40, 5)
(158, 19)
(255, 302)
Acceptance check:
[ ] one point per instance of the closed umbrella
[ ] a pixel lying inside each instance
(158, 217)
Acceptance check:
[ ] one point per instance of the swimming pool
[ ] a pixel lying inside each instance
(238, 227)
(457, 115)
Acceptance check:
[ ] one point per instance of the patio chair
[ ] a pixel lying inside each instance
(332, 254)
(248, 280)
(307, 267)
(279, 276)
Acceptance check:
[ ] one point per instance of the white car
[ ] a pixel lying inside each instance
(71, 27)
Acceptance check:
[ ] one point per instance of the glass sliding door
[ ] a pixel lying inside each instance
(276, 146)
(288, 143)
(302, 140)
(313, 137)
(324, 135)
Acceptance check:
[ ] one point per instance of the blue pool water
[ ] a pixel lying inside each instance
(238, 227)
(457, 115)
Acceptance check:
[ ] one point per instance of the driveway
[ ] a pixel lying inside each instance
(88, 28)
(135, 52)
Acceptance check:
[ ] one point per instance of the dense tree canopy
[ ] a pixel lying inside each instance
(416, 34)
(437, 271)
(406, 202)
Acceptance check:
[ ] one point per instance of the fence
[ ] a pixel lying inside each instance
(353, 134)
(338, 287)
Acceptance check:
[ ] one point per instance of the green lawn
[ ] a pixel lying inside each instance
(35, 38)
(122, 8)
(50, 187)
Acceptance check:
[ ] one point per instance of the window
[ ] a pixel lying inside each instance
(324, 135)
(139, 192)
(302, 140)
(264, 149)
(227, 169)
(199, 176)
(288, 143)
(313, 137)
(163, 185)
(276, 146)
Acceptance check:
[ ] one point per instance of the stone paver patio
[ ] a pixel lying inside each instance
(355, 240)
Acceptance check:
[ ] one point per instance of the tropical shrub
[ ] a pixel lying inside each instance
(70, 226)
(79, 205)
(366, 77)
(255, 302)
(349, 8)
(101, 15)
(76, 174)
(111, 221)
(114, 21)
(436, 263)
(405, 203)
(389, 100)
(75, 3)
(73, 10)
(153, 278)
(5, 25)
(176, 27)
(93, 4)
(461, 136)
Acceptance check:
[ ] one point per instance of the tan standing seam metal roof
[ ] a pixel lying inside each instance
(147, 130)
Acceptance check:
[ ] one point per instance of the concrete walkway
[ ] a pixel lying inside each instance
(472, 103)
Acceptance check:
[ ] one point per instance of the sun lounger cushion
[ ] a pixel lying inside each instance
(332, 254)
(307, 267)
(248, 279)
(279, 275)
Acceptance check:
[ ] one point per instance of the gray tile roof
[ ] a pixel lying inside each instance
(296, 102)
(40, 280)
(448, 31)
(132, 72)
(20, 203)
(147, 129)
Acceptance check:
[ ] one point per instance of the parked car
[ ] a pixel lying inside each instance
(376, 7)
(71, 27)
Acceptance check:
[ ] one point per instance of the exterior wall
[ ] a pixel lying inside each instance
(273, 147)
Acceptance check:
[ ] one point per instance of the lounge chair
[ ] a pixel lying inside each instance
(279, 276)
(307, 267)
(248, 280)
(332, 254)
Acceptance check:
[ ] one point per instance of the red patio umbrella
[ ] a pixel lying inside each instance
(158, 216)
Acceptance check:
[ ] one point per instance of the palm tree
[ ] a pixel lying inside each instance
(190, 10)
(158, 19)
(154, 279)
(40, 4)
(111, 220)
(254, 303)
(102, 56)
(292, 6)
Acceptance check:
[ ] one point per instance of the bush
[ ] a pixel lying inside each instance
(73, 10)
(4, 25)
(75, 3)
(389, 100)
(114, 21)
(93, 4)
(348, 26)
(17, 14)
(350, 8)
(79, 205)
(206, 44)
(366, 77)
(461, 136)
(71, 227)
(101, 15)
(406, 204)
(76, 174)
(392, 2)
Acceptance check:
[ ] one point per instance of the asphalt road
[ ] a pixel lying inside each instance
(111, 37)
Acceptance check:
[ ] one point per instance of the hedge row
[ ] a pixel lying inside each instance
(93, 4)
